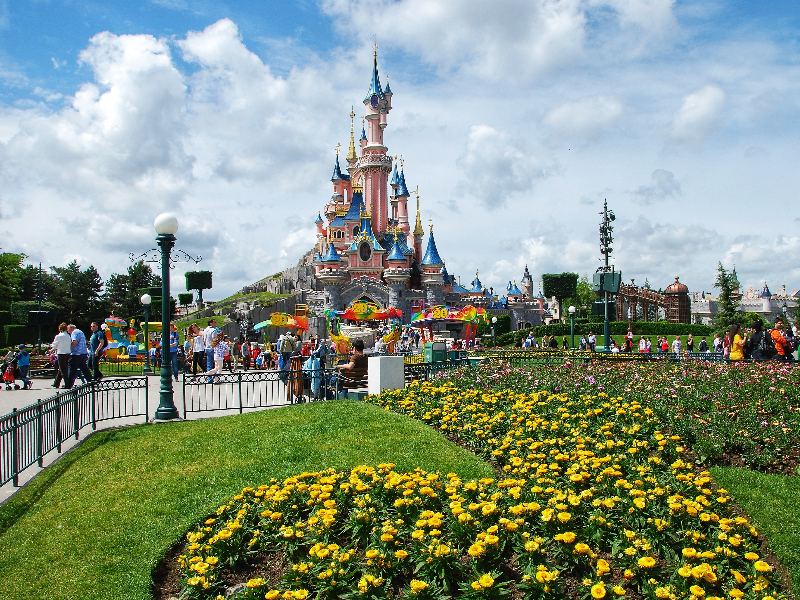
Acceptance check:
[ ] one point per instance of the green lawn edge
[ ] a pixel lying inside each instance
(94, 525)
(772, 503)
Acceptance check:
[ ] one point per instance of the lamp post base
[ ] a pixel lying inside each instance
(166, 413)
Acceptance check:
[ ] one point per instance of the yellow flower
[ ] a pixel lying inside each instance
(401, 554)
(689, 552)
(697, 591)
(603, 567)
(751, 556)
(740, 579)
(619, 590)
(486, 581)
(663, 592)
(256, 582)
(761, 566)
(476, 549)
(272, 595)
(646, 562)
(564, 517)
(599, 590)
(736, 593)
(418, 586)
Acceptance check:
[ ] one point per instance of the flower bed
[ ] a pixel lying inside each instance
(595, 500)
(744, 415)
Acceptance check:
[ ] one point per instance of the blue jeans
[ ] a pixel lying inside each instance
(210, 362)
(174, 357)
(23, 374)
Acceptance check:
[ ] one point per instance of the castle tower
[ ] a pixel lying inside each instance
(397, 276)
(418, 233)
(526, 285)
(432, 279)
(375, 165)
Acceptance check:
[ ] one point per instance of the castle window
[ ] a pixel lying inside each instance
(355, 231)
(364, 252)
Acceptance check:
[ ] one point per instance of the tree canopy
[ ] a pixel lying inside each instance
(727, 302)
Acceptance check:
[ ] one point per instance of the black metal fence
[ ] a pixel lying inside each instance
(27, 435)
(243, 390)
(425, 371)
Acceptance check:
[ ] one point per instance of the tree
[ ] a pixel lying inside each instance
(185, 299)
(583, 298)
(198, 280)
(77, 293)
(560, 286)
(727, 302)
(10, 269)
(123, 291)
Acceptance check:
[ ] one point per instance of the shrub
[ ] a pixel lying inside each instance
(20, 310)
(20, 334)
(616, 328)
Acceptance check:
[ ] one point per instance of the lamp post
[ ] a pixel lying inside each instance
(571, 310)
(166, 226)
(494, 335)
(146, 300)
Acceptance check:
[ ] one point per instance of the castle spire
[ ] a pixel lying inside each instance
(351, 153)
(337, 170)
(418, 230)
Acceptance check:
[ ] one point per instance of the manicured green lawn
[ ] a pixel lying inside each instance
(94, 525)
(773, 504)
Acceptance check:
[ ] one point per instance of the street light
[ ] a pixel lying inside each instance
(166, 226)
(146, 300)
(571, 310)
(494, 336)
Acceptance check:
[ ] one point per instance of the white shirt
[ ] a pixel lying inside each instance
(208, 336)
(198, 344)
(62, 343)
(676, 346)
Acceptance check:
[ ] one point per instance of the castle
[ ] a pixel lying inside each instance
(366, 249)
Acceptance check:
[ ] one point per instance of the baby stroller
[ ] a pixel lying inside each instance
(10, 374)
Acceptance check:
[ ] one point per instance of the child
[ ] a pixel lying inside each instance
(23, 360)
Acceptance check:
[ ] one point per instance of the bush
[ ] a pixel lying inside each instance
(616, 328)
(20, 334)
(185, 299)
(20, 310)
(5, 318)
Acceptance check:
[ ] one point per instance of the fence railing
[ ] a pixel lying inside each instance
(28, 434)
(425, 371)
(553, 356)
(242, 390)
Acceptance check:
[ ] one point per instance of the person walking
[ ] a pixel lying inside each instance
(246, 354)
(690, 343)
(23, 360)
(79, 355)
(219, 347)
(61, 346)
(198, 349)
(208, 338)
(133, 351)
(97, 344)
(703, 347)
(782, 345)
(676, 345)
(592, 341)
(174, 341)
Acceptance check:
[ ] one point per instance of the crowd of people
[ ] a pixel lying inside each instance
(757, 343)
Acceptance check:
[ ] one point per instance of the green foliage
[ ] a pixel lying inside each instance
(5, 317)
(749, 319)
(19, 310)
(10, 268)
(77, 293)
(502, 326)
(615, 327)
(20, 334)
(727, 303)
(198, 280)
(185, 299)
(562, 285)
(124, 291)
(583, 298)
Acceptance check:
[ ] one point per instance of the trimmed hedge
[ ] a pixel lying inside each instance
(20, 310)
(5, 318)
(20, 334)
(616, 328)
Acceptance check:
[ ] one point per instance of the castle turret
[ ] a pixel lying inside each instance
(431, 264)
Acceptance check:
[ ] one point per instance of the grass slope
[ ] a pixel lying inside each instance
(94, 525)
(771, 502)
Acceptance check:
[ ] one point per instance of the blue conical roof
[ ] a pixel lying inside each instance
(318, 219)
(363, 133)
(354, 212)
(396, 253)
(460, 289)
(431, 253)
(318, 258)
(477, 286)
(513, 290)
(394, 181)
(375, 83)
(765, 293)
(331, 255)
(402, 190)
(337, 170)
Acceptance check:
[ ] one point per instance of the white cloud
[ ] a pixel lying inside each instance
(664, 186)
(648, 14)
(506, 39)
(496, 166)
(585, 118)
(699, 115)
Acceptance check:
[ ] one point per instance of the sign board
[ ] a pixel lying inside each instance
(45, 318)
(599, 311)
(607, 282)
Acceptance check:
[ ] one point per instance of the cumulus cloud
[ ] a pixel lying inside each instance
(585, 118)
(699, 116)
(648, 14)
(505, 39)
(759, 258)
(664, 186)
(496, 166)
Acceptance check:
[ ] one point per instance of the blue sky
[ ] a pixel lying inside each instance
(515, 119)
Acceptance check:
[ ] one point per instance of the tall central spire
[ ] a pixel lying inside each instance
(351, 153)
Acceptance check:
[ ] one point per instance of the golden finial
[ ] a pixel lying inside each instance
(476, 273)
(375, 44)
(338, 145)
(431, 222)
(418, 230)
(351, 153)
